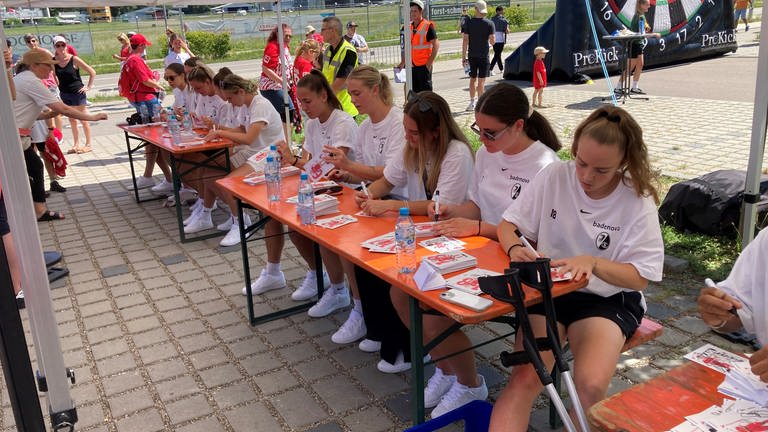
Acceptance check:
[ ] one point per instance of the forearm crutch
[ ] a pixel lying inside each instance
(537, 275)
(507, 288)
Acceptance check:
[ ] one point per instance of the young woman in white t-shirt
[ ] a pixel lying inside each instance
(435, 157)
(517, 144)
(595, 217)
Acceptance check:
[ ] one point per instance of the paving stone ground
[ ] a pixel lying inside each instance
(157, 330)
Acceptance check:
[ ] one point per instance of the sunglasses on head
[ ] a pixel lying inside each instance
(423, 104)
(490, 136)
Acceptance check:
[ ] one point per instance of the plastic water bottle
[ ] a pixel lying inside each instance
(187, 121)
(174, 128)
(275, 154)
(641, 25)
(405, 242)
(306, 205)
(156, 109)
(144, 113)
(272, 176)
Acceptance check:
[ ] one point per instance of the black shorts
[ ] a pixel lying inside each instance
(40, 146)
(73, 99)
(636, 50)
(4, 228)
(422, 78)
(623, 308)
(478, 67)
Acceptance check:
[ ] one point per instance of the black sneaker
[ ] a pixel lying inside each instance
(637, 91)
(56, 187)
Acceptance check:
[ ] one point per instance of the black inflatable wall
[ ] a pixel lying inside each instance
(690, 29)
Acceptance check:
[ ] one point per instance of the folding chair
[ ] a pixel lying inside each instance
(508, 288)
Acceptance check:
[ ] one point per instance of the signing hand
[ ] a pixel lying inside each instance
(375, 207)
(759, 363)
(521, 254)
(212, 136)
(338, 175)
(335, 156)
(715, 305)
(456, 227)
(579, 266)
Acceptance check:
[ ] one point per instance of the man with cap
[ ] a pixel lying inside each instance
(357, 40)
(478, 35)
(424, 47)
(339, 59)
(311, 33)
(502, 30)
(31, 98)
(137, 83)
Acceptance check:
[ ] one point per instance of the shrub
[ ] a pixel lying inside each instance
(11, 22)
(47, 21)
(517, 16)
(209, 45)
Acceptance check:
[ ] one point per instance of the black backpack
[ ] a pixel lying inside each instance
(710, 204)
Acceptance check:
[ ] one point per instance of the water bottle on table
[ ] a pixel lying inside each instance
(187, 122)
(405, 242)
(144, 113)
(272, 176)
(174, 128)
(275, 154)
(306, 201)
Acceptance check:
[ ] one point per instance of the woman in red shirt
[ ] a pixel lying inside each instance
(271, 80)
(306, 54)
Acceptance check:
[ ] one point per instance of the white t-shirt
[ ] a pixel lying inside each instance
(31, 98)
(556, 212)
(261, 110)
(190, 98)
(499, 178)
(340, 130)
(379, 143)
(453, 182)
(748, 282)
(179, 58)
(208, 106)
(233, 116)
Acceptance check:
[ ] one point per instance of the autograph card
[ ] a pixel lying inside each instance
(557, 276)
(718, 359)
(317, 168)
(335, 222)
(426, 229)
(442, 244)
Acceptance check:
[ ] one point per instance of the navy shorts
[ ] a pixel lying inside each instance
(73, 99)
(478, 67)
(275, 97)
(624, 309)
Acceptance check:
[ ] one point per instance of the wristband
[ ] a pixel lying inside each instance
(479, 224)
(719, 326)
(295, 160)
(512, 247)
(51, 128)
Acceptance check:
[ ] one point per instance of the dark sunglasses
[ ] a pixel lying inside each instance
(170, 78)
(490, 136)
(60, 45)
(423, 104)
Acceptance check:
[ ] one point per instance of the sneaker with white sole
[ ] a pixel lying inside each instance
(308, 288)
(369, 346)
(331, 300)
(227, 224)
(352, 330)
(400, 365)
(266, 282)
(164, 187)
(470, 107)
(437, 386)
(202, 222)
(233, 236)
(144, 182)
(460, 395)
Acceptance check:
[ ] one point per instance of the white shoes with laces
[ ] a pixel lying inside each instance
(460, 395)
(266, 282)
(352, 330)
(162, 188)
(369, 346)
(331, 300)
(233, 236)
(308, 287)
(437, 386)
(200, 222)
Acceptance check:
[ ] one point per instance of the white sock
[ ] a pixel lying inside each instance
(311, 274)
(634, 84)
(338, 286)
(358, 305)
(273, 268)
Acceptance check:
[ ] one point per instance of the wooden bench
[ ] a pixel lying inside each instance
(648, 331)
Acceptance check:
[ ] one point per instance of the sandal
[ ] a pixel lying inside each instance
(50, 215)
(86, 149)
(73, 150)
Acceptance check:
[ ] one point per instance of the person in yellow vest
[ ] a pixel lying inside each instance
(338, 61)
(424, 47)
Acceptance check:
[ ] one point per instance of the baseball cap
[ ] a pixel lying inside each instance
(418, 3)
(129, 34)
(139, 39)
(57, 39)
(481, 7)
(36, 56)
(309, 29)
(540, 49)
(351, 24)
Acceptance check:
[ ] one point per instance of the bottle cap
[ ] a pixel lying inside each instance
(272, 147)
(303, 176)
(270, 159)
(404, 211)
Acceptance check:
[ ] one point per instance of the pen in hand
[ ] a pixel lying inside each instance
(526, 243)
(365, 190)
(436, 199)
(711, 284)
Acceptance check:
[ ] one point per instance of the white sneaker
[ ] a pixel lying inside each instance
(369, 346)
(352, 330)
(460, 395)
(195, 212)
(331, 300)
(266, 282)
(144, 182)
(470, 107)
(308, 288)
(437, 386)
(400, 364)
(163, 187)
(201, 222)
(227, 224)
(233, 236)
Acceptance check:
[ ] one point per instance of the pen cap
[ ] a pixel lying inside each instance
(303, 176)
(404, 211)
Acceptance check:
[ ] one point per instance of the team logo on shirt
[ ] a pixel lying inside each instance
(515, 192)
(382, 141)
(603, 240)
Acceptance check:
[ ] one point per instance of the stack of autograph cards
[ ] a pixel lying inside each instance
(451, 261)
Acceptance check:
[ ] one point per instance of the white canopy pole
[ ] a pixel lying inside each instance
(757, 147)
(408, 56)
(286, 87)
